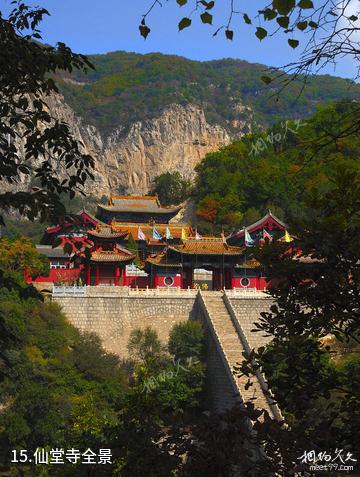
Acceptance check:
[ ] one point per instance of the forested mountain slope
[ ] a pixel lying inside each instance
(129, 87)
(278, 169)
(142, 115)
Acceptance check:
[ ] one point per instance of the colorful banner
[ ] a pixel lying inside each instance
(141, 235)
(156, 235)
(248, 240)
(266, 235)
(287, 237)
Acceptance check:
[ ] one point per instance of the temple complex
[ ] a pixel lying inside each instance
(131, 242)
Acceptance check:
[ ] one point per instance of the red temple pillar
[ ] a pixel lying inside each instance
(97, 279)
(88, 275)
(117, 275)
(123, 276)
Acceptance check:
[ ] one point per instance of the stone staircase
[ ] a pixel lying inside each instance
(233, 344)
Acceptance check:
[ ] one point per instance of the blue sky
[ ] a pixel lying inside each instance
(94, 26)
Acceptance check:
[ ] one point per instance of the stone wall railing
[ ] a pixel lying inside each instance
(246, 293)
(162, 291)
(260, 378)
(153, 292)
(108, 290)
(68, 290)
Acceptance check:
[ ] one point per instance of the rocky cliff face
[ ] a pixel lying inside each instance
(127, 162)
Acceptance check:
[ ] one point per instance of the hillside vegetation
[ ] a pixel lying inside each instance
(127, 87)
(275, 169)
(59, 388)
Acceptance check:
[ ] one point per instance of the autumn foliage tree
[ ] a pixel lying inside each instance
(20, 256)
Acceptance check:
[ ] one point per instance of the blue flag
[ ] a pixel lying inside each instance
(168, 234)
(156, 234)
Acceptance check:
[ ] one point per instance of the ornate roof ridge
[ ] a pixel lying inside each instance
(106, 231)
(146, 224)
(161, 209)
(204, 247)
(137, 203)
(117, 254)
(147, 197)
(207, 238)
(161, 260)
(92, 216)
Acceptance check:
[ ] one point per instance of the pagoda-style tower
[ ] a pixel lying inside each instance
(108, 259)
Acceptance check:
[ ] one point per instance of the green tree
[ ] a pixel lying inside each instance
(293, 384)
(49, 396)
(145, 346)
(168, 381)
(34, 144)
(128, 78)
(316, 293)
(316, 296)
(58, 387)
(92, 360)
(132, 246)
(165, 394)
(328, 31)
(171, 188)
(238, 184)
(187, 340)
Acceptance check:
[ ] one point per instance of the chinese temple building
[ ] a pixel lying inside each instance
(76, 225)
(107, 259)
(135, 209)
(62, 267)
(152, 239)
(268, 227)
(177, 264)
(107, 267)
(131, 242)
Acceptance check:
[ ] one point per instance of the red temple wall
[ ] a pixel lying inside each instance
(58, 275)
(260, 283)
(159, 281)
(107, 276)
(140, 282)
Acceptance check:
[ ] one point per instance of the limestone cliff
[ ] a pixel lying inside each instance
(127, 161)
